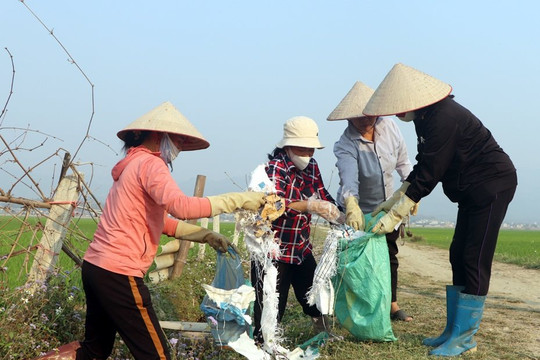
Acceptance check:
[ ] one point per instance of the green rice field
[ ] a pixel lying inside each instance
(520, 247)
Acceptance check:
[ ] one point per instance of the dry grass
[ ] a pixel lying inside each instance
(508, 330)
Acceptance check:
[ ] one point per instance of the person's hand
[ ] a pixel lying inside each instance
(355, 216)
(389, 221)
(324, 209)
(218, 242)
(230, 202)
(387, 205)
(195, 233)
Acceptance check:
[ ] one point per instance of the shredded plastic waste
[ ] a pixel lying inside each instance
(225, 304)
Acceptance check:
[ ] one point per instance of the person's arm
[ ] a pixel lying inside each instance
(403, 163)
(277, 173)
(404, 166)
(436, 149)
(300, 206)
(323, 204)
(347, 164)
(282, 181)
(348, 167)
(161, 187)
(188, 232)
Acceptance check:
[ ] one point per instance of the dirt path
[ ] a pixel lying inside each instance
(510, 282)
(512, 312)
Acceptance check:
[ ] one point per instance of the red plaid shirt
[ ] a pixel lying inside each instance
(292, 229)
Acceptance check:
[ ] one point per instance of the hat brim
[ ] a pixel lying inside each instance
(189, 143)
(312, 143)
(353, 103)
(405, 89)
(167, 119)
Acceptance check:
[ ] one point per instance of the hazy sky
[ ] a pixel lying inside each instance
(239, 69)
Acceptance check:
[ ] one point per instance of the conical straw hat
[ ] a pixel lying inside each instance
(405, 89)
(166, 118)
(352, 105)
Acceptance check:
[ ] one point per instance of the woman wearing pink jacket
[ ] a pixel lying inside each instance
(125, 243)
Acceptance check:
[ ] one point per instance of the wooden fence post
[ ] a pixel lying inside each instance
(56, 226)
(182, 254)
(237, 231)
(202, 247)
(216, 226)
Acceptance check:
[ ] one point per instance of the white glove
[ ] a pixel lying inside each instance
(325, 209)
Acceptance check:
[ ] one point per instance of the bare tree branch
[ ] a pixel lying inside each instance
(233, 182)
(4, 110)
(72, 61)
(25, 202)
(102, 143)
(26, 172)
(27, 129)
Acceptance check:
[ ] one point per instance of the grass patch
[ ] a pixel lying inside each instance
(519, 247)
(29, 326)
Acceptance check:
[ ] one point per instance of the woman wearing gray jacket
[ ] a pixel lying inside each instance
(368, 153)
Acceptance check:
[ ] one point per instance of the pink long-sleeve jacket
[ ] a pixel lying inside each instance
(135, 214)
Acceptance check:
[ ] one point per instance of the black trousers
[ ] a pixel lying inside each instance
(119, 303)
(301, 279)
(391, 241)
(474, 242)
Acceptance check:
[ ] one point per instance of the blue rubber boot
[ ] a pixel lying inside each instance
(469, 312)
(451, 300)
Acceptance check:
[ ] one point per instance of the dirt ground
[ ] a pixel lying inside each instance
(512, 310)
(509, 282)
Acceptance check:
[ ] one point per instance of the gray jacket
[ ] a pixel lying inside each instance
(366, 167)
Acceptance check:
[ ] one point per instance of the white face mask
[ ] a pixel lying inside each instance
(409, 116)
(168, 150)
(301, 162)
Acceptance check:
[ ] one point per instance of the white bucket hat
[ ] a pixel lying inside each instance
(166, 118)
(352, 105)
(405, 89)
(300, 131)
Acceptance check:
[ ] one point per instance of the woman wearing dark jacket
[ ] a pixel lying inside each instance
(457, 150)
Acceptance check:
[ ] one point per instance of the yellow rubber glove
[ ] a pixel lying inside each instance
(186, 231)
(230, 202)
(414, 210)
(389, 221)
(324, 209)
(355, 216)
(387, 205)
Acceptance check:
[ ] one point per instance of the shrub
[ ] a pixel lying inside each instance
(32, 323)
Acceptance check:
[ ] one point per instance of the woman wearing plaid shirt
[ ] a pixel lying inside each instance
(297, 179)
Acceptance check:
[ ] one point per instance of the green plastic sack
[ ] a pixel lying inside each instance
(363, 289)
